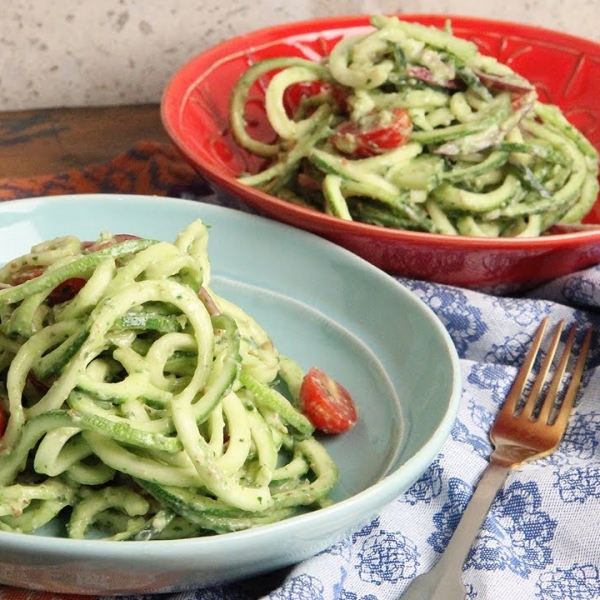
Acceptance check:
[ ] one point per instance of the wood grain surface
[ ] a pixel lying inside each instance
(36, 142)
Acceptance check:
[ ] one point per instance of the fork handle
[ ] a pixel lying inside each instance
(444, 580)
(472, 519)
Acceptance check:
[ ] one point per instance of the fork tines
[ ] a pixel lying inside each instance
(544, 400)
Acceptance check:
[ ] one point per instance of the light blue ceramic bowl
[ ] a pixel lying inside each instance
(323, 306)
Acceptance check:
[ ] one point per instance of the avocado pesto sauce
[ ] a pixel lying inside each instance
(411, 127)
(140, 405)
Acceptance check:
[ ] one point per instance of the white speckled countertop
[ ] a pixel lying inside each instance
(86, 53)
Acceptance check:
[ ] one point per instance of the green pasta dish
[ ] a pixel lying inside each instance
(411, 127)
(137, 404)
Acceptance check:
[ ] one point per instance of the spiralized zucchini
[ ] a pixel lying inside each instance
(140, 404)
(484, 157)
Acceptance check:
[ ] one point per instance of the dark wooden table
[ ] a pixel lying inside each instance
(37, 142)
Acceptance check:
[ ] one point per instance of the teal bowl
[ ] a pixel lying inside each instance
(322, 305)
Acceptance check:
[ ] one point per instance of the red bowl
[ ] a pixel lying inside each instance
(564, 68)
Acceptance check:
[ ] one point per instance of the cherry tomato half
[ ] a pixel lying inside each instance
(327, 404)
(297, 93)
(101, 245)
(66, 290)
(61, 293)
(377, 132)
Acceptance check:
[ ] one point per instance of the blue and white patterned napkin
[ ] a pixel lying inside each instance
(540, 540)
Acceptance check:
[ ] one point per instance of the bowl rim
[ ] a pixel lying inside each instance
(173, 103)
(408, 470)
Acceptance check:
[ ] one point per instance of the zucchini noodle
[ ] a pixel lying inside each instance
(140, 404)
(481, 155)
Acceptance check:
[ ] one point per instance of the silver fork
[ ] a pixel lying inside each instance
(522, 432)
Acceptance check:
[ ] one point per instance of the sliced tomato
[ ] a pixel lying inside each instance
(42, 386)
(297, 93)
(522, 102)
(61, 293)
(509, 82)
(424, 74)
(327, 404)
(377, 132)
(101, 245)
(123, 237)
(66, 290)
(26, 274)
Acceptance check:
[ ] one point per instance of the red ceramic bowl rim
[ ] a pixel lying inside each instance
(184, 79)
